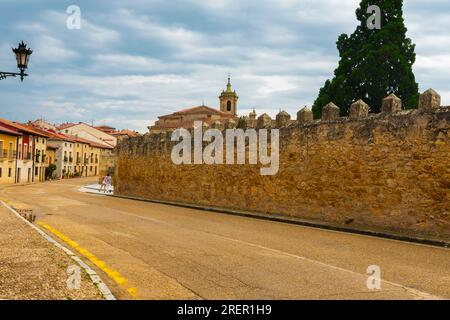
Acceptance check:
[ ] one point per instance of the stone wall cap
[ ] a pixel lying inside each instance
(392, 97)
(331, 105)
(431, 91)
(305, 109)
(360, 101)
(283, 113)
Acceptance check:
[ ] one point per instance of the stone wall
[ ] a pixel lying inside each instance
(386, 172)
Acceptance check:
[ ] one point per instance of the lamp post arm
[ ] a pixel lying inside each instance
(4, 75)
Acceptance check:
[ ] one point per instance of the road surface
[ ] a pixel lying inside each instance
(153, 251)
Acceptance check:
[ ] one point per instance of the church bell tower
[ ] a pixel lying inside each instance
(228, 100)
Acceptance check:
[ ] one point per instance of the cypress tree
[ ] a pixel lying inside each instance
(373, 62)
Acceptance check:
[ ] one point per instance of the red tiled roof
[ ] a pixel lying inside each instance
(9, 131)
(92, 143)
(23, 128)
(59, 136)
(125, 132)
(66, 125)
(189, 110)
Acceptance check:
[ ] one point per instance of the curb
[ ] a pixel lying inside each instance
(297, 221)
(95, 278)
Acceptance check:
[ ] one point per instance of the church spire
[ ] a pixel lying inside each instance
(229, 83)
(228, 99)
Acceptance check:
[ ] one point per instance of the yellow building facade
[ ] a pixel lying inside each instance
(8, 152)
(87, 157)
(40, 164)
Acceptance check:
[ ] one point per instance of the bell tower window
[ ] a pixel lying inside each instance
(229, 105)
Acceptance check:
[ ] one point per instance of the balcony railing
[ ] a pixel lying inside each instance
(8, 154)
(12, 155)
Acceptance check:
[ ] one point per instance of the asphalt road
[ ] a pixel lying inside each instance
(167, 252)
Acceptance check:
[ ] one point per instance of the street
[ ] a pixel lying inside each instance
(168, 252)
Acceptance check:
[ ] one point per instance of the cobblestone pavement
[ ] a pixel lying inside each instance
(32, 268)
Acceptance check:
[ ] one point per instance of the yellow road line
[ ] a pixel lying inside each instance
(113, 274)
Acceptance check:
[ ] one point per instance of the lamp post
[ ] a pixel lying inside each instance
(22, 56)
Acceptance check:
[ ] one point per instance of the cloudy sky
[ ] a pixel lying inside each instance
(133, 60)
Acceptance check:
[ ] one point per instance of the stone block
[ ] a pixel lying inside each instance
(359, 110)
(330, 112)
(429, 101)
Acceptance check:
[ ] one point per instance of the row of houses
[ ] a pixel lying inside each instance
(37, 151)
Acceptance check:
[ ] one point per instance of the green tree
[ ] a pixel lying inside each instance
(373, 62)
(49, 171)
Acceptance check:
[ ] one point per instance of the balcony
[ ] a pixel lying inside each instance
(44, 157)
(3, 154)
(27, 156)
(12, 155)
(66, 159)
(70, 159)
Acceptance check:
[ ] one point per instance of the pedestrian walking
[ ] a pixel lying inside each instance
(108, 183)
(104, 184)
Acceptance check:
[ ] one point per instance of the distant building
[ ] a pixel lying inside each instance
(41, 123)
(26, 160)
(125, 133)
(75, 156)
(88, 132)
(186, 118)
(106, 129)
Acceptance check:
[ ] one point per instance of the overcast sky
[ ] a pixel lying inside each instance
(133, 60)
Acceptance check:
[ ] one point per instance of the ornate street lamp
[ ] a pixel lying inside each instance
(22, 56)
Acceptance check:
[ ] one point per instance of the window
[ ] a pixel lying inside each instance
(10, 150)
(9, 172)
(1, 173)
(229, 106)
(36, 172)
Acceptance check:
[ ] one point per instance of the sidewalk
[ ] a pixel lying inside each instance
(95, 189)
(32, 268)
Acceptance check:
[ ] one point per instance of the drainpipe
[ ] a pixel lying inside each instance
(16, 160)
(32, 155)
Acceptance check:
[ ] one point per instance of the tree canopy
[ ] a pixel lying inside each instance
(373, 62)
